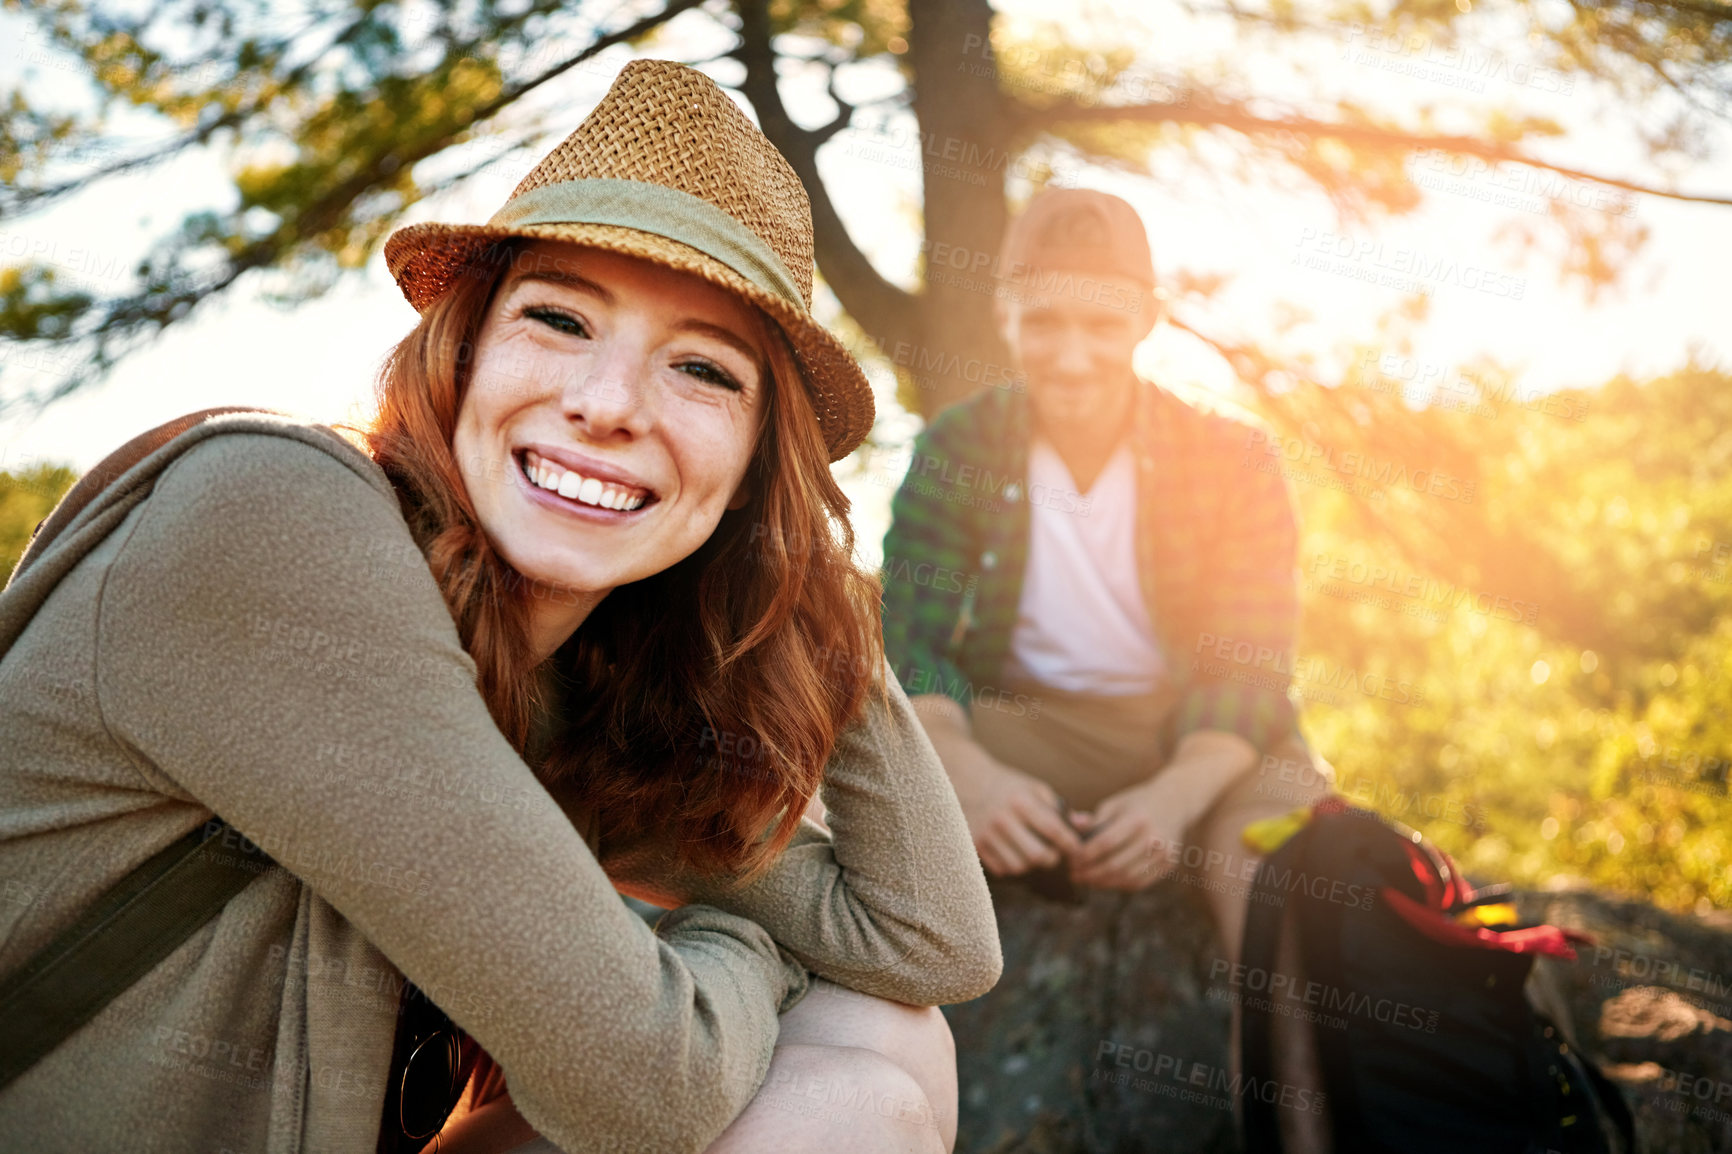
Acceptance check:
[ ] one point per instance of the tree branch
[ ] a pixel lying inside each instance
(844, 111)
(1451, 543)
(880, 307)
(147, 313)
(1249, 364)
(1235, 118)
(21, 200)
(596, 48)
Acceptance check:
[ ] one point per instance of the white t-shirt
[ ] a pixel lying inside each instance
(1082, 623)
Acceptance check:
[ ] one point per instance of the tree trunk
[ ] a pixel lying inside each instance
(964, 143)
(944, 340)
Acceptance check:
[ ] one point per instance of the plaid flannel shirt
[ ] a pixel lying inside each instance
(1217, 543)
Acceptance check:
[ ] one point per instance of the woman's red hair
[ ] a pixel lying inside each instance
(701, 702)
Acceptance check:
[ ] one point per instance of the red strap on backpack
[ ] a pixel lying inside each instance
(1551, 941)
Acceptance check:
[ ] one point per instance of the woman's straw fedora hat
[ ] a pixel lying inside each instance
(667, 168)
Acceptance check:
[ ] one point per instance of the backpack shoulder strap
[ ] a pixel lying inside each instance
(1617, 1107)
(107, 470)
(1265, 914)
(137, 923)
(147, 914)
(1327, 844)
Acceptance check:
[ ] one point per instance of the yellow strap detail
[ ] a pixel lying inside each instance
(1491, 915)
(1269, 834)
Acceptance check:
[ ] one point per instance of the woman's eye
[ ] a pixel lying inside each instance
(711, 373)
(557, 320)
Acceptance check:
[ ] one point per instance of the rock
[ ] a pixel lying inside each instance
(1102, 1036)
(1652, 999)
(1653, 1014)
(1121, 978)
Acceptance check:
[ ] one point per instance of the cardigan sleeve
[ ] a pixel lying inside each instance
(891, 902)
(271, 642)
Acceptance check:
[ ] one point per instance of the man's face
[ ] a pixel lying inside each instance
(1075, 349)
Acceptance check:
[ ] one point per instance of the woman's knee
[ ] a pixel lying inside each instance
(840, 1099)
(915, 1039)
(920, 1042)
(834, 1015)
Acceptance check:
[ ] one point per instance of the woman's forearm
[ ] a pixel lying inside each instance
(892, 902)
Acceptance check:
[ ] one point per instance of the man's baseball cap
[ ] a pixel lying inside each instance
(1076, 230)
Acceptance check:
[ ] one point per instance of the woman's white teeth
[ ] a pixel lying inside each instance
(576, 487)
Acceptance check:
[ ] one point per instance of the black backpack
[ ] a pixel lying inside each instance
(1414, 986)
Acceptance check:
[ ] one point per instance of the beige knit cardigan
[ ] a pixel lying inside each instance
(243, 625)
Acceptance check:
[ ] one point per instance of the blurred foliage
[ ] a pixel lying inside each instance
(26, 496)
(321, 111)
(1530, 756)
(335, 117)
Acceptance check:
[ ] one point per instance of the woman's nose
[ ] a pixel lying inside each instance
(607, 395)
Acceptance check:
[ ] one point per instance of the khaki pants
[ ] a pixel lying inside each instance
(1090, 746)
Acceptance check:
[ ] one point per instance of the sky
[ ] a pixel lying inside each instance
(1278, 247)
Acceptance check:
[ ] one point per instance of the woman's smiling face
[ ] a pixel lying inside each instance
(611, 413)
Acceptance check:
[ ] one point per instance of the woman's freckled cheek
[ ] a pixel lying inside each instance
(513, 373)
(709, 455)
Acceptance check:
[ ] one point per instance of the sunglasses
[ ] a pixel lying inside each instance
(429, 1070)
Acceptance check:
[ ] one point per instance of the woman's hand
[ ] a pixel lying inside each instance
(491, 1128)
